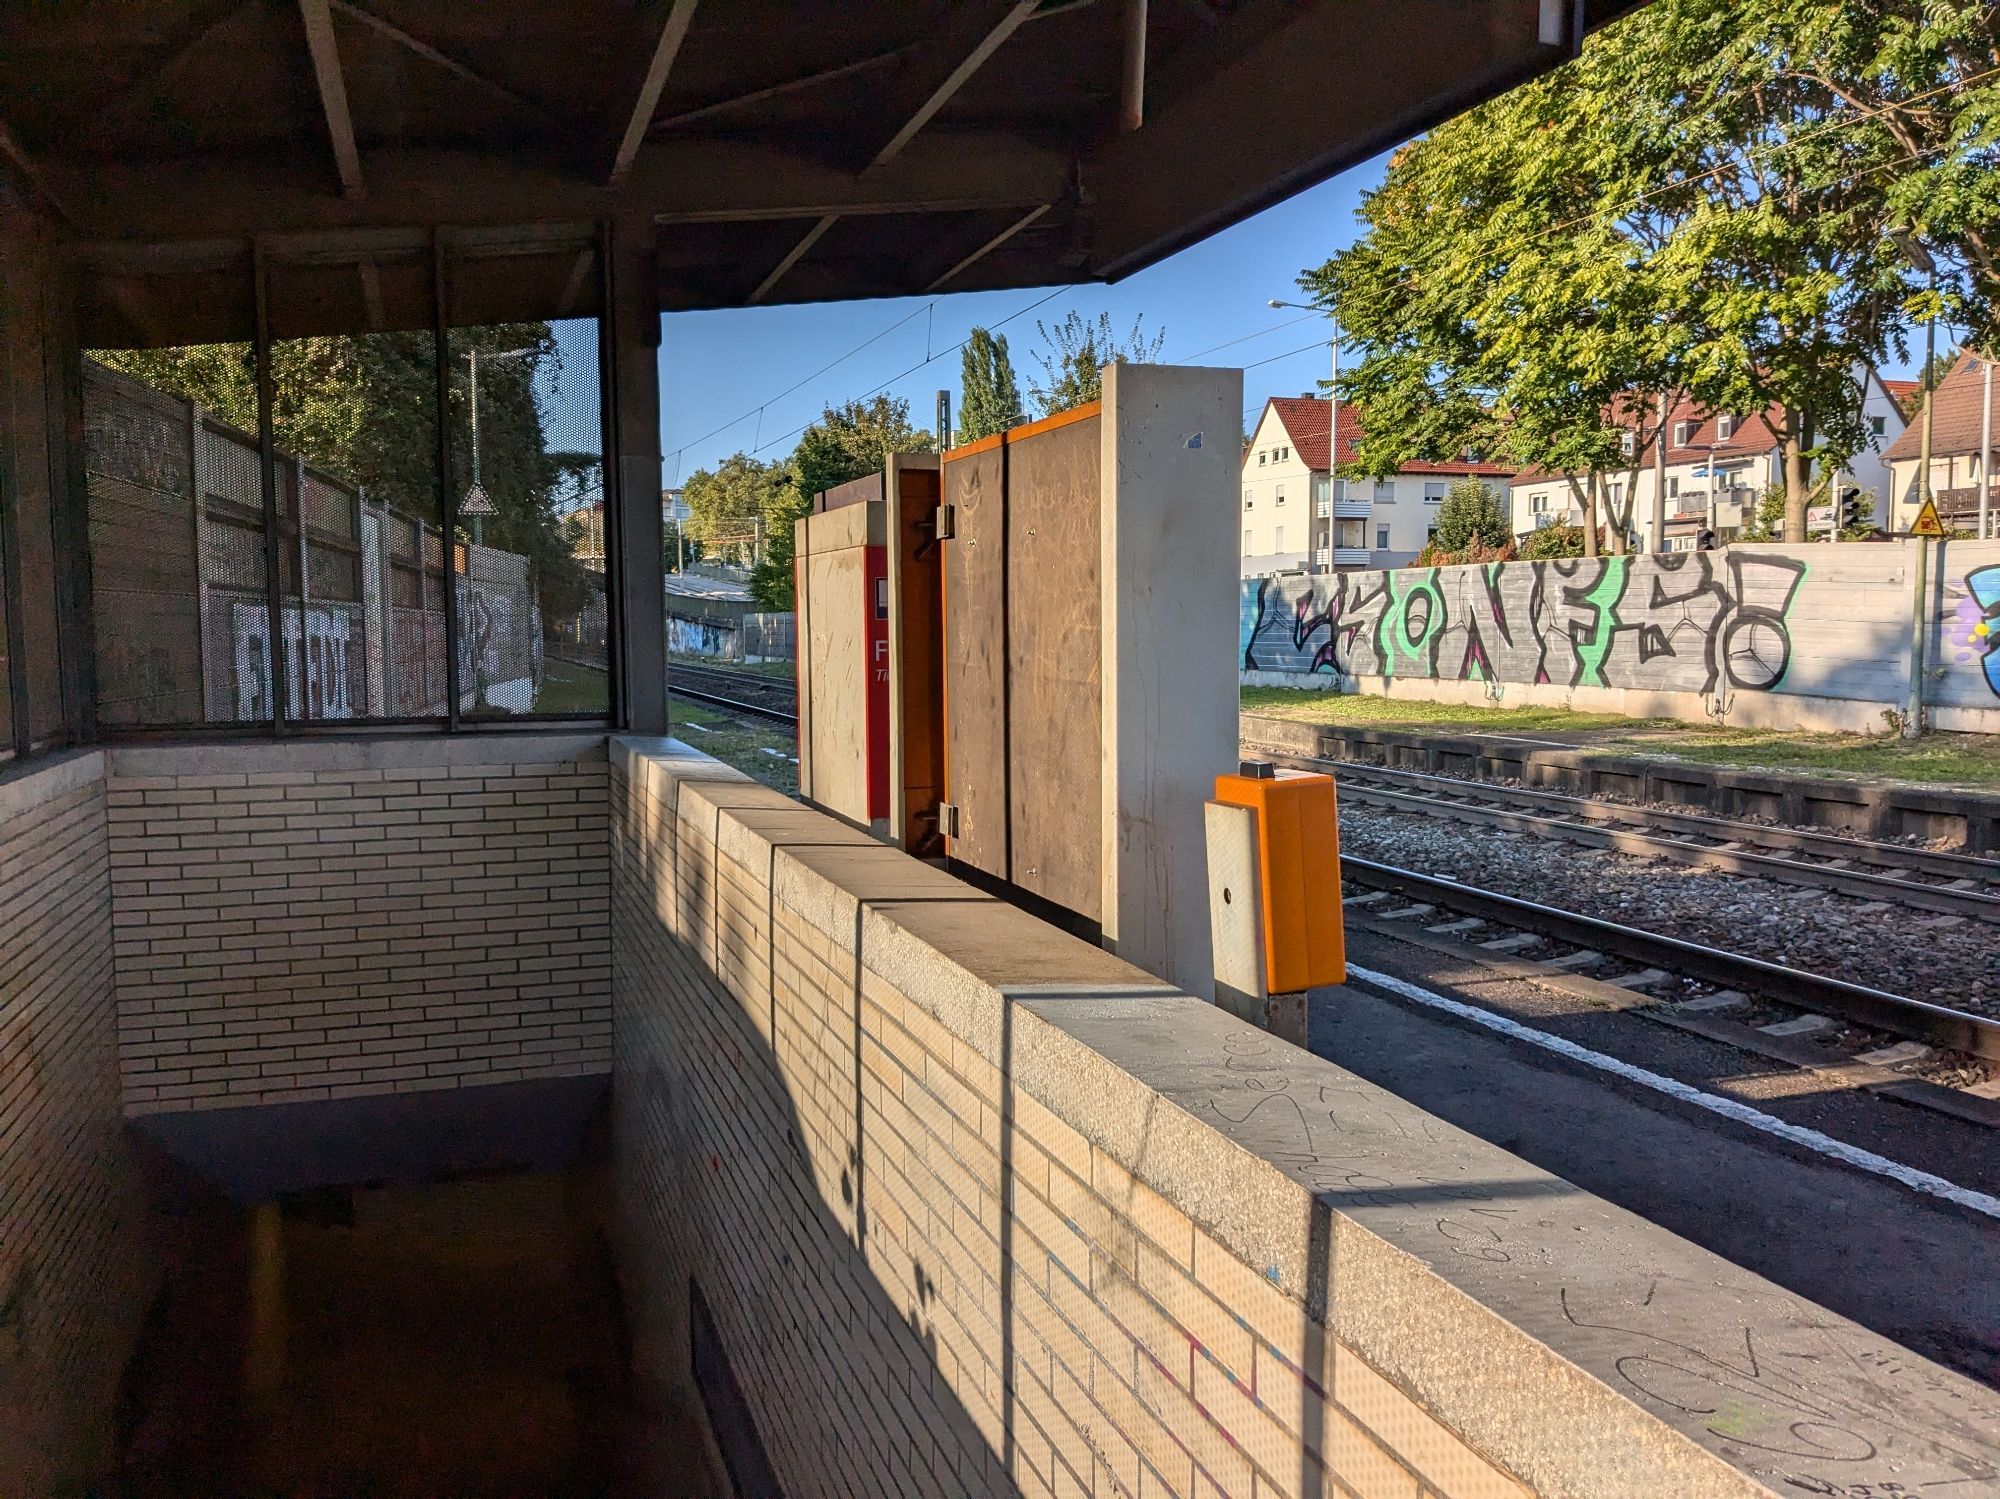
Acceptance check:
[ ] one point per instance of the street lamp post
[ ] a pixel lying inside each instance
(479, 516)
(472, 358)
(1332, 419)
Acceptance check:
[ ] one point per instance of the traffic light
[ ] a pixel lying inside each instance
(1854, 510)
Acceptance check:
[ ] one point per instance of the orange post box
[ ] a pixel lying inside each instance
(1298, 867)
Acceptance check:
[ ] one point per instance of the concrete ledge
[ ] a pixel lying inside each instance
(38, 782)
(1586, 1351)
(1969, 819)
(310, 754)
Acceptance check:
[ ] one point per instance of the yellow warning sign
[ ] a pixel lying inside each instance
(1927, 522)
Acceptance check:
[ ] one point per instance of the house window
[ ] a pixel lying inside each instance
(1879, 425)
(1261, 456)
(1673, 486)
(1628, 443)
(1279, 544)
(1246, 541)
(1725, 428)
(1539, 502)
(1434, 491)
(1617, 494)
(1281, 494)
(1382, 538)
(1340, 489)
(1246, 499)
(1681, 434)
(1385, 491)
(1284, 453)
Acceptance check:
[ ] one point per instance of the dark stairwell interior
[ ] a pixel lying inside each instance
(462, 1335)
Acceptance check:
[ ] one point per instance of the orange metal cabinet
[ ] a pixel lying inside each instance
(1298, 863)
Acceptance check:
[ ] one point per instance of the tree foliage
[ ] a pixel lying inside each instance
(1552, 542)
(1471, 515)
(363, 409)
(1725, 201)
(1078, 349)
(989, 396)
(847, 442)
(728, 503)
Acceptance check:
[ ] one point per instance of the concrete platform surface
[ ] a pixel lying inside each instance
(1922, 1272)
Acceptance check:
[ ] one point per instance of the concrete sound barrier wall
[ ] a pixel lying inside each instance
(1785, 637)
(921, 1196)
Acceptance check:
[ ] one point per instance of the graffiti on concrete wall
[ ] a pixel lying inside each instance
(701, 637)
(1688, 622)
(1972, 623)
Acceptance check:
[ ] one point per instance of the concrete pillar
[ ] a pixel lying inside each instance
(1170, 457)
(632, 500)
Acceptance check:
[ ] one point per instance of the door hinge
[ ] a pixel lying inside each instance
(947, 820)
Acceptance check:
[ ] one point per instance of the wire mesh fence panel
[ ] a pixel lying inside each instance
(153, 550)
(527, 468)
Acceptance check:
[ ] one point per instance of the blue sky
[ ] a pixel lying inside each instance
(725, 377)
(718, 368)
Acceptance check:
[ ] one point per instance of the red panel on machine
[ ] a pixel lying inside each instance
(876, 570)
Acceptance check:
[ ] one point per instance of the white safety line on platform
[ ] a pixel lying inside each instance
(1728, 1108)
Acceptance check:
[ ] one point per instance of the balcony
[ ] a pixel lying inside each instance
(1352, 509)
(1351, 556)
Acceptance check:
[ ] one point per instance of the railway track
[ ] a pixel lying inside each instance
(1508, 924)
(751, 693)
(1922, 879)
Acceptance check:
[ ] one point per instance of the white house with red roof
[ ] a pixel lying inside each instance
(1718, 466)
(1965, 417)
(1298, 516)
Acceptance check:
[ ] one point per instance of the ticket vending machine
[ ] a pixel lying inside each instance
(870, 692)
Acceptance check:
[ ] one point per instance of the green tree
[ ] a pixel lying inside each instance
(363, 409)
(1781, 226)
(1479, 329)
(1470, 514)
(989, 397)
(1078, 350)
(1552, 542)
(728, 503)
(847, 442)
(1767, 523)
(1931, 376)
(1692, 208)
(1916, 85)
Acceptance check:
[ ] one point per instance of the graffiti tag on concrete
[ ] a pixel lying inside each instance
(1692, 622)
(1973, 630)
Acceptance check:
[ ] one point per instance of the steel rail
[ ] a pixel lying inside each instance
(733, 705)
(1584, 821)
(1878, 1008)
(1702, 824)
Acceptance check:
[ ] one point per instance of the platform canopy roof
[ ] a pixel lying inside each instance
(787, 152)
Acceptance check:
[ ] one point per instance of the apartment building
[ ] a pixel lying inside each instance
(1718, 466)
(1965, 419)
(1300, 516)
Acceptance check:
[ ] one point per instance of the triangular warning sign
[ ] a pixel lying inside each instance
(478, 502)
(1927, 522)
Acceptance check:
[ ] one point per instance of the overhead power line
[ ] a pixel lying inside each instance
(931, 359)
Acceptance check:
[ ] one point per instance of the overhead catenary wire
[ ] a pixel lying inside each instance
(1597, 215)
(758, 409)
(930, 359)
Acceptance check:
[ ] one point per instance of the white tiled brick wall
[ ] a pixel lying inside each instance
(72, 1276)
(881, 1223)
(324, 919)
